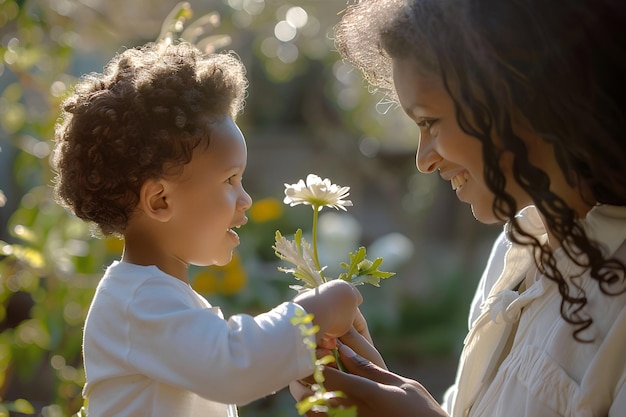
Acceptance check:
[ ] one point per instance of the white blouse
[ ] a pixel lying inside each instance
(154, 347)
(544, 372)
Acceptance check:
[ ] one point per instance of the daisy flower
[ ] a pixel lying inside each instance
(318, 193)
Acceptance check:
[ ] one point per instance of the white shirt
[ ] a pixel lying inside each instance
(546, 373)
(154, 347)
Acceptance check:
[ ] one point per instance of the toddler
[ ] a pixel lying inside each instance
(149, 150)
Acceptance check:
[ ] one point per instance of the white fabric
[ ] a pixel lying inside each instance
(154, 347)
(547, 373)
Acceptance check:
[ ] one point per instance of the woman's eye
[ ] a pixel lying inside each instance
(426, 123)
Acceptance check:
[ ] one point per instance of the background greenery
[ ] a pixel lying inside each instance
(306, 112)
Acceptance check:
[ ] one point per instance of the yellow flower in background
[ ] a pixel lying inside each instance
(205, 282)
(318, 193)
(265, 210)
(114, 245)
(29, 256)
(226, 280)
(233, 276)
(232, 283)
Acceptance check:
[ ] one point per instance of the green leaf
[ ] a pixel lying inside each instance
(362, 270)
(25, 254)
(298, 240)
(201, 26)
(342, 412)
(21, 406)
(325, 360)
(353, 267)
(175, 21)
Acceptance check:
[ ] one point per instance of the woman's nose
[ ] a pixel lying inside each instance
(426, 158)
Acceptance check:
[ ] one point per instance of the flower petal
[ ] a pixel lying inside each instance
(318, 193)
(304, 270)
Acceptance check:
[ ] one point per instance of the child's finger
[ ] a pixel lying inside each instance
(328, 343)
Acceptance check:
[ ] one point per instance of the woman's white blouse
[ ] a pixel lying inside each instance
(546, 372)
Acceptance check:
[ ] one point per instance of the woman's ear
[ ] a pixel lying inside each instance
(154, 200)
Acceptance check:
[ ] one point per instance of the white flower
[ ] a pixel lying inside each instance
(298, 253)
(318, 193)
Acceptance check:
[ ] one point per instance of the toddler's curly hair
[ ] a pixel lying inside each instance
(139, 120)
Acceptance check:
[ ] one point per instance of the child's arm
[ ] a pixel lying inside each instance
(166, 339)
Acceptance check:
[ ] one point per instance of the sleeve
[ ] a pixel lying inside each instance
(234, 361)
(614, 366)
(619, 402)
(448, 399)
(492, 271)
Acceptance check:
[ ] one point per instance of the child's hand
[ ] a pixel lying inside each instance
(334, 308)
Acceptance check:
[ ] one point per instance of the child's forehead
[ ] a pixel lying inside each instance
(224, 148)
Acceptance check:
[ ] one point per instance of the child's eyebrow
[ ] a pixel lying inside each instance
(235, 169)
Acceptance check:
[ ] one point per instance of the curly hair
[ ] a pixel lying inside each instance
(139, 119)
(558, 64)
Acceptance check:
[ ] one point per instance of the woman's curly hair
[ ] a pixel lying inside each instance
(560, 65)
(137, 120)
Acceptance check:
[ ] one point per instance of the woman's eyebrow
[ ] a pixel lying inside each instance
(415, 109)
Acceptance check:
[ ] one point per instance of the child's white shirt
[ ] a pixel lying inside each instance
(154, 347)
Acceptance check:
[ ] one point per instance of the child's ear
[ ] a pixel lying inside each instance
(154, 201)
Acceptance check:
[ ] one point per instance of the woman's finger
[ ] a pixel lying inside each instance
(362, 346)
(360, 325)
(369, 371)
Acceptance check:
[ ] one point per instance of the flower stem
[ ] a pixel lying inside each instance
(340, 364)
(315, 257)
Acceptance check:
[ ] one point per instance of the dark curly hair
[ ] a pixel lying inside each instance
(139, 120)
(560, 65)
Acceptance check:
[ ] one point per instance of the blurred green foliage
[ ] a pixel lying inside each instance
(46, 286)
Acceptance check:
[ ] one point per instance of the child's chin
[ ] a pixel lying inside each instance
(215, 261)
(224, 261)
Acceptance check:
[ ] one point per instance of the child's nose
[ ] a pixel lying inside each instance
(245, 201)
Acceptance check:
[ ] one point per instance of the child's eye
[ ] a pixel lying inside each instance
(233, 179)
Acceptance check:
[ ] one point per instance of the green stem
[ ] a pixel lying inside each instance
(315, 257)
(340, 364)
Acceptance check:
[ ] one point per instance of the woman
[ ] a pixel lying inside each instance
(520, 105)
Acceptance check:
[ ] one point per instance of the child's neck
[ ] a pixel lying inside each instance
(144, 252)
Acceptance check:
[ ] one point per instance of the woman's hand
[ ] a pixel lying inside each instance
(377, 392)
(359, 339)
(360, 325)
